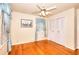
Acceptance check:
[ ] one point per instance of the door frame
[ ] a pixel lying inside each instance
(36, 28)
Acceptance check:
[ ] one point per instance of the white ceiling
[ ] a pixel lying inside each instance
(31, 8)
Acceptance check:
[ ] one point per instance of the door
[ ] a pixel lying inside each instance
(40, 29)
(5, 28)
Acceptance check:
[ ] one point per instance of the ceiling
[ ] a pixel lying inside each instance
(30, 8)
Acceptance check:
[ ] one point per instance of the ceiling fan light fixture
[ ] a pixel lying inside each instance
(47, 13)
(43, 13)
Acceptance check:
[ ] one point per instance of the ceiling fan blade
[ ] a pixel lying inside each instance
(36, 12)
(39, 7)
(51, 8)
(48, 13)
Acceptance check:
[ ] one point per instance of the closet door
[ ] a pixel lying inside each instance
(57, 30)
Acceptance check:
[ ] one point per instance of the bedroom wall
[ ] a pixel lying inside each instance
(22, 35)
(77, 28)
(68, 36)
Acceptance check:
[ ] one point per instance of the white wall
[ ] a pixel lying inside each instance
(77, 28)
(68, 39)
(22, 35)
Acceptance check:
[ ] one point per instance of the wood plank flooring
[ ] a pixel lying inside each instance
(77, 51)
(44, 47)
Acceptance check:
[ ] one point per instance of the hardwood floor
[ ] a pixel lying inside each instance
(43, 47)
(77, 51)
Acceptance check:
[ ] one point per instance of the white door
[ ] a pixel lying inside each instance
(40, 29)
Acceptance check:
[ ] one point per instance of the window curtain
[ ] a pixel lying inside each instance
(6, 13)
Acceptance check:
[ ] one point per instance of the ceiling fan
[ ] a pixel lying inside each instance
(43, 11)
